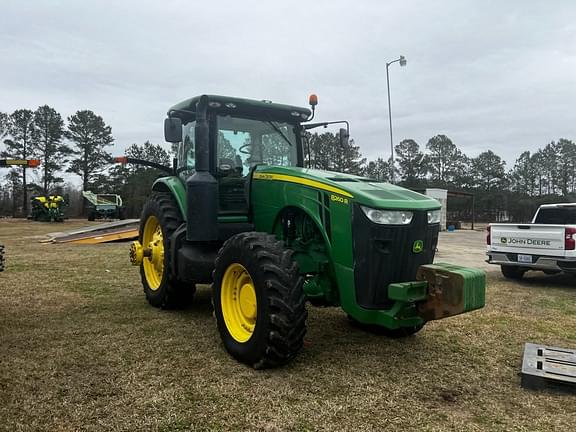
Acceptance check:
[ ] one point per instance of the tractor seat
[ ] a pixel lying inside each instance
(230, 168)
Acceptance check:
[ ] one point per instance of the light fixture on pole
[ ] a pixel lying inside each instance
(402, 61)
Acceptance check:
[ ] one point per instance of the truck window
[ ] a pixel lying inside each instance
(556, 216)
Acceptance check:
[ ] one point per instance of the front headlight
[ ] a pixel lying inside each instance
(388, 217)
(434, 216)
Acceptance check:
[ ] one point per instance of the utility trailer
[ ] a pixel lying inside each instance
(104, 206)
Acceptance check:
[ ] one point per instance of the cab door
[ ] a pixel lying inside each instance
(234, 148)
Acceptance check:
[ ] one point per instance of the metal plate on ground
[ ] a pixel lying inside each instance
(100, 233)
(549, 367)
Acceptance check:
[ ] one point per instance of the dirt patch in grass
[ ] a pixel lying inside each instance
(80, 349)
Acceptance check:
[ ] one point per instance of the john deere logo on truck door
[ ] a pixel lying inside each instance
(418, 246)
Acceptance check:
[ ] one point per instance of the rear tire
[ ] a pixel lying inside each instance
(161, 287)
(258, 300)
(512, 272)
(91, 216)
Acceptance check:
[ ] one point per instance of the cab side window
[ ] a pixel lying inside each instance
(187, 151)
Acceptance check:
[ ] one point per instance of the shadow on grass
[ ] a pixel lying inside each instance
(537, 279)
(201, 304)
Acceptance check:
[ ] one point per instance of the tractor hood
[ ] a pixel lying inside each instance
(360, 189)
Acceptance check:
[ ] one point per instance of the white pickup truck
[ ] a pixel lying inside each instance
(548, 243)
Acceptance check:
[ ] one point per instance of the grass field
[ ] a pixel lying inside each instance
(80, 349)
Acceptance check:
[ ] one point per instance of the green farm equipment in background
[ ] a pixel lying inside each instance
(239, 209)
(49, 208)
(104, 206)
(6, 163)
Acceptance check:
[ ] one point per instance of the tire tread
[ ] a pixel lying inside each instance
(176, 294)
(285, 297)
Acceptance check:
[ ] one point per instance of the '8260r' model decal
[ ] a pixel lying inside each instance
(339, 199)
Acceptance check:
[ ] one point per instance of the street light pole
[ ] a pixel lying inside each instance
(402, 61)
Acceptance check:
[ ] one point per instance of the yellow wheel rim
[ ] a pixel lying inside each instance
(153, 243)
(238, 300)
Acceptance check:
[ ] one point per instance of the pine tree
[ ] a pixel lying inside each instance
(48, 132)
(323, 151)
(319, 150)
(566, 165)
(524, 174)
(446, 162)
(378, 170)
(19, 127)
(90, 136)
(410, 162)
(3, 124)
(133, 182)
(488, 171)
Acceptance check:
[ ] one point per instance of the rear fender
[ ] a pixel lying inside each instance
(174, 186)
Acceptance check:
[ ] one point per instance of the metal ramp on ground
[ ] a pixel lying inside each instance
(101, 233)
(549, 367)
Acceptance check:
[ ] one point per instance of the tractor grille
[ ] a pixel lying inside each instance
(383, 255)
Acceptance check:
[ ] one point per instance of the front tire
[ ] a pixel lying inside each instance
(259, 301)
(512, 272)
(160, 218)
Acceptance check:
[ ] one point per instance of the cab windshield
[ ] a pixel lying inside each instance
(243, 143)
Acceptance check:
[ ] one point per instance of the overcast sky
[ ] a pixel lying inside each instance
(497, 75)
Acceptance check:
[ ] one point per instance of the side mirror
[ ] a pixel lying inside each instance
(173, 129)
(344, 136)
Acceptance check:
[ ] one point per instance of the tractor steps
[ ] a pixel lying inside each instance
(101, 233)
(546, 367)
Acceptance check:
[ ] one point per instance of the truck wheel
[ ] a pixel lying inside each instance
(512, 272)
(91, 216)
(398, 333)
(258, 300)
(160, 218)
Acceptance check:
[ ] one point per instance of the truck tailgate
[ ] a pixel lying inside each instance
(534, 239)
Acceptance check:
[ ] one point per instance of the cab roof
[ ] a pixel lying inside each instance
(558, 205)
(227, 105)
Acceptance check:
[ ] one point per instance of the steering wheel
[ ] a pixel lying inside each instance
(244, 149)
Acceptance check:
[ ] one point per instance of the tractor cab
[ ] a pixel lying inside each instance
(242, 134)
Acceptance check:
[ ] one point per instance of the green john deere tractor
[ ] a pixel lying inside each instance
(240, 210)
